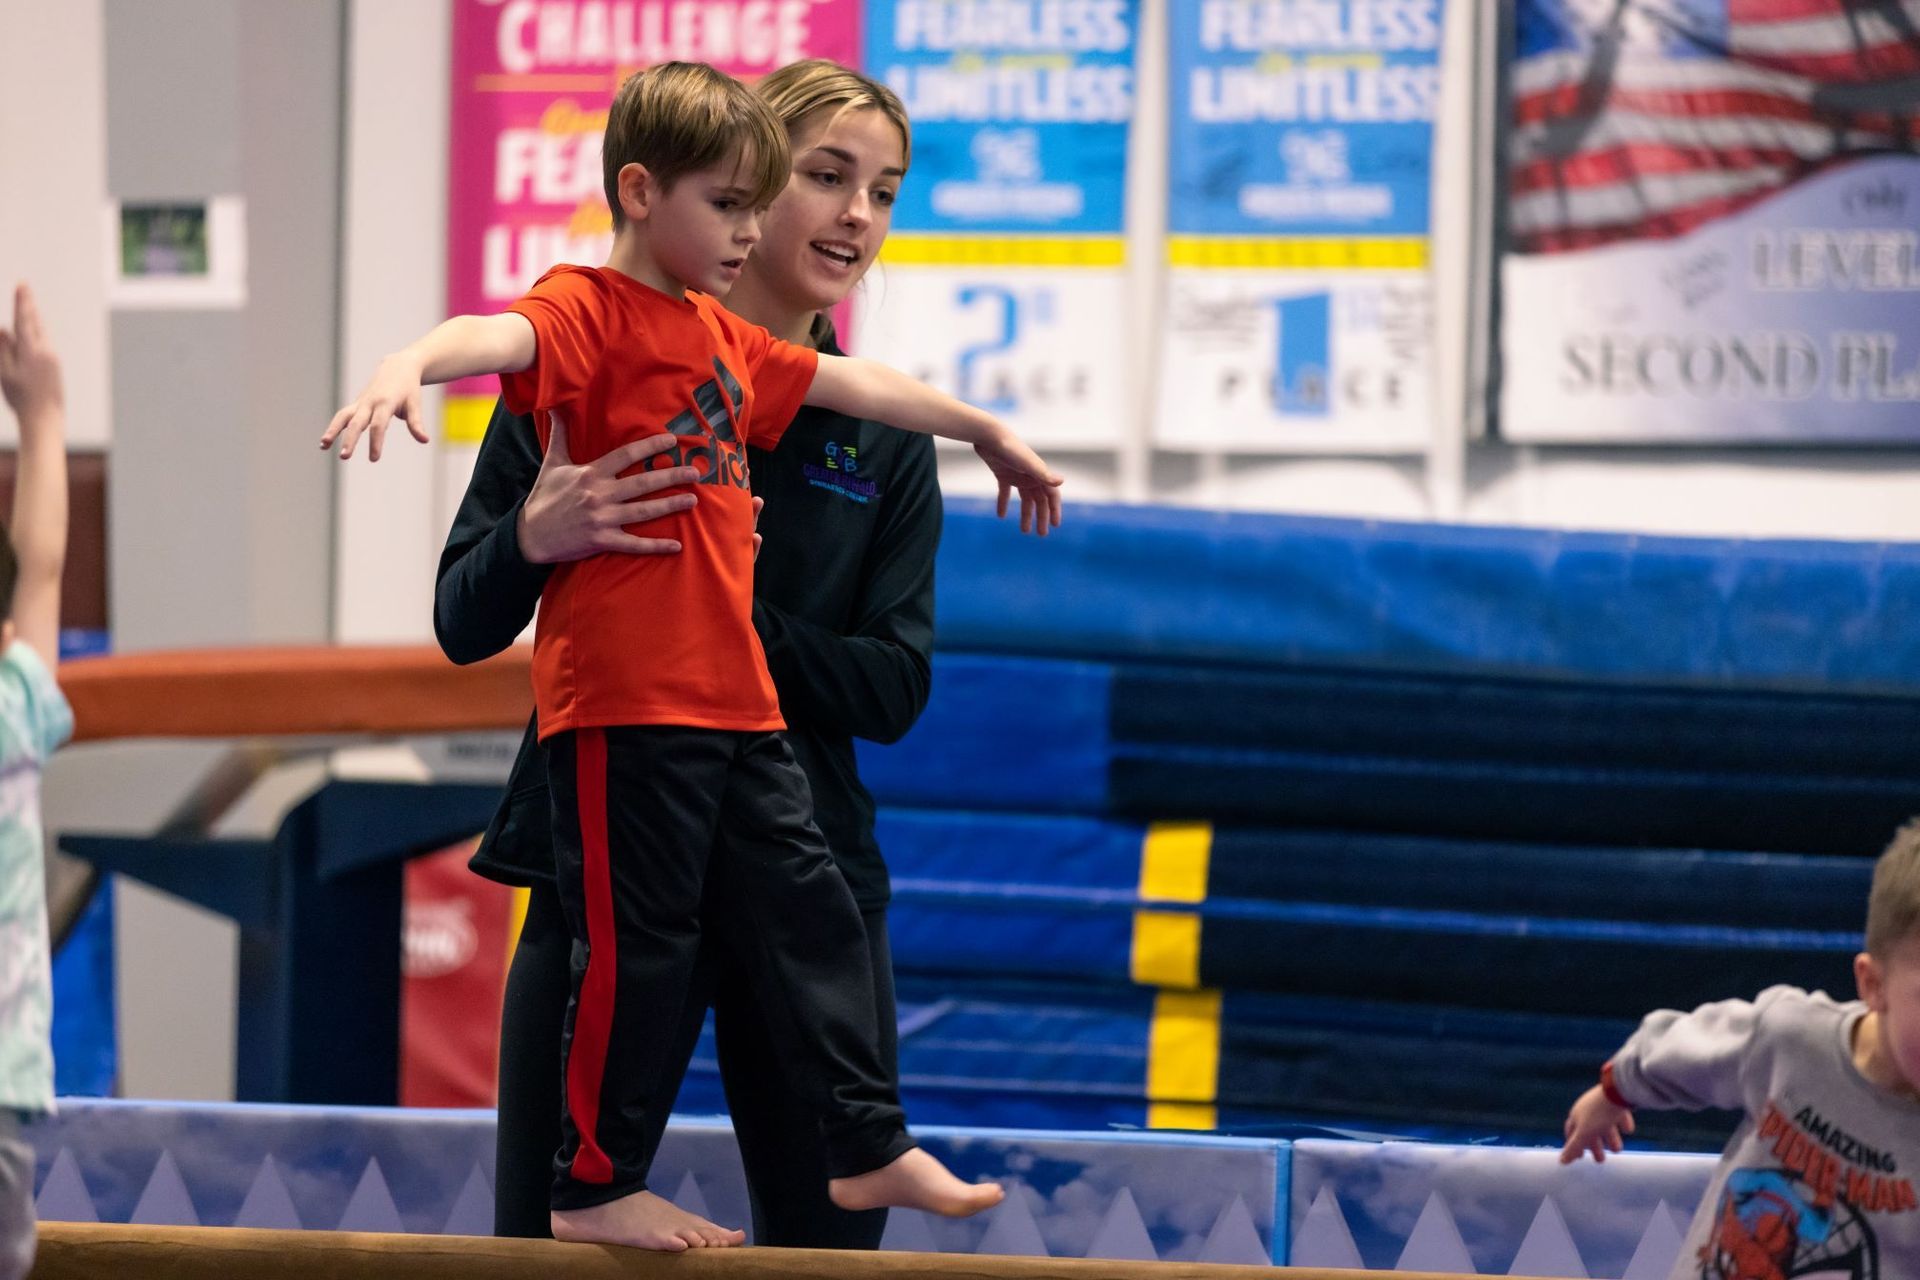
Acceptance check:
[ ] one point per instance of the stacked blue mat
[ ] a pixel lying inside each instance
(1249, 822)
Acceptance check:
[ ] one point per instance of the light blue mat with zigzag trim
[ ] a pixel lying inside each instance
(1122, 1196)
(1325, 1203)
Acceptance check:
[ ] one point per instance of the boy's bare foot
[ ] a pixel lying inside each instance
(644, 1221)
(915, 1181)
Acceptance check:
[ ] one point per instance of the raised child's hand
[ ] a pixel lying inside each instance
(29, 369)
(393, 392)
(1595, 1125)
(1016, 466)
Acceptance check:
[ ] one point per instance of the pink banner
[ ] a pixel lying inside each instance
(532, 81)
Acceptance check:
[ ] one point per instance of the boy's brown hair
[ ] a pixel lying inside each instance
(1893, 907)
(681, 117)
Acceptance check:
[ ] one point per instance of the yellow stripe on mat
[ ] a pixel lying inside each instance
(1182, 1115)
(1173, 868)
(1166, 949)
(464, 419)
(1183, 1060)
(1005, 251)
(1300, 253)
(1173, 861)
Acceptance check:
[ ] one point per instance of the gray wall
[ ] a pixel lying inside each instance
(52, 181)
(220, 507)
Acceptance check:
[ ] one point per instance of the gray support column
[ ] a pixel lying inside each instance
(220, 506)
(220, 511)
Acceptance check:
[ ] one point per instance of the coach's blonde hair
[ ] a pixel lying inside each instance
(681, 117)
(799, 89)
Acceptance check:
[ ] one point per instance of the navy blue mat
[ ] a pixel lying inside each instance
(1672, 886)
(1565, 761)
(1002, 733)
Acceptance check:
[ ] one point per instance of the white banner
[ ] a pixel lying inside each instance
(1279, 360)
(1036, 347)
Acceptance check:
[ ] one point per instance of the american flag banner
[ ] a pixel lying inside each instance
(1644, 119)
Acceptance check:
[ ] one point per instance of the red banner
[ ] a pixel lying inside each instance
(456, 940)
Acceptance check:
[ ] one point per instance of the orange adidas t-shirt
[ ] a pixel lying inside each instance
(625, 639)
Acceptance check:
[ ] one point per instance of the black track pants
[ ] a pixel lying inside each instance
(647, 823)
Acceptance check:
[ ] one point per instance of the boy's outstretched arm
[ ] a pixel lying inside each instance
(868, 389)
(30, 381)
(462, 347)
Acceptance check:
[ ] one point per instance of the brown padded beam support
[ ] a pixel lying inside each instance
(293, 691)
(87, 1251)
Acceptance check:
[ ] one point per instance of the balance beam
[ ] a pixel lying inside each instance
(295, 691)
(275, 705)
(86, 1251)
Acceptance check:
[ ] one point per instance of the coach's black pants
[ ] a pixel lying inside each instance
(648, 821)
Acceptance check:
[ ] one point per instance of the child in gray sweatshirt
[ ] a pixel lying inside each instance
(1818, 1179)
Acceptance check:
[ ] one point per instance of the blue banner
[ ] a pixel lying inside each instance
(1297, 118)
(1019, 111)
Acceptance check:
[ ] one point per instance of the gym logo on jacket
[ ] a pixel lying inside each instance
(841, 474)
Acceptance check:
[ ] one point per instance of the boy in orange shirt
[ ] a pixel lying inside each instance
(670, 777)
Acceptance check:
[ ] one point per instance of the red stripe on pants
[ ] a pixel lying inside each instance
(593, 1018)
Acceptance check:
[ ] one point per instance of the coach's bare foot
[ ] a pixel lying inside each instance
(915, 1181)
(644, 1221)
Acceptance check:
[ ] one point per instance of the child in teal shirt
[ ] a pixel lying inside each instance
(34, 720)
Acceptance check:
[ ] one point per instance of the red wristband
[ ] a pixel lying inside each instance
(1611, 1090)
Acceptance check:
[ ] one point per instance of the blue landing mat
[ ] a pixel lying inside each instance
(981, 896)
(1445, 754)
(1162, 582)
(1002, 734)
